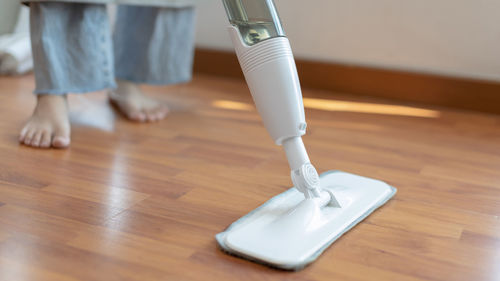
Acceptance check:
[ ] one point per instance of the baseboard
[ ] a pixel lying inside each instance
(461, 93)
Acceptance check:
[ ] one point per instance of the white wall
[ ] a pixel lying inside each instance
(450, 37)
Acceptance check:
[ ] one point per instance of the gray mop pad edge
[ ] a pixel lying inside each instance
(220, 237)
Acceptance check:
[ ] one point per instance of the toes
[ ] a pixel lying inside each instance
(130, 111)
(60, 142)
(157, 113)
(137, 107)
(29, 136)
(45, 140)
(35, 141)
(133, 113)
(151, 116)
(22, 135)
(137, 116)
(61, 138)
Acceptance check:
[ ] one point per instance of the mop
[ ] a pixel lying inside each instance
(293, 228)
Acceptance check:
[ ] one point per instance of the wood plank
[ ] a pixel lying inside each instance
(66, 260)
(12, 270)
(55, 204)
(98, 193)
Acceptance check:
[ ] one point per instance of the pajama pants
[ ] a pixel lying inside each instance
(74, 50)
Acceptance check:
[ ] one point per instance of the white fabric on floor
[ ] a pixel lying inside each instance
(15, 48)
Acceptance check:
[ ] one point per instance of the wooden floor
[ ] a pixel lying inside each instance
(143, 202)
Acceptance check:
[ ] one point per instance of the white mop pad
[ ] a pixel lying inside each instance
(288, 232)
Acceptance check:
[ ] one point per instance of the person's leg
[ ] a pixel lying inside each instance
(71, 46)
(152, 46)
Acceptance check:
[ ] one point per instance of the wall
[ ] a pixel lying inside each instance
(449, 37)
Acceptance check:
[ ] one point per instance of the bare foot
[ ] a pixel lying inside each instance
(135, 105)
(49, 124)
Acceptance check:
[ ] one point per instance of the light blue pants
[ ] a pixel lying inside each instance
(74, 52)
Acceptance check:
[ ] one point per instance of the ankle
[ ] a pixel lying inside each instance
(51, 99)
(51, 104)
(126, 87)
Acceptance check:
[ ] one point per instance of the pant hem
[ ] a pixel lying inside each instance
(73, 91)
(155, 82)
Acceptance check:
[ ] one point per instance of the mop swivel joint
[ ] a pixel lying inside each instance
(304, 175)
(306, 180)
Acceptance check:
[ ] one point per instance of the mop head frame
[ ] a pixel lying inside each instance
(276, 236)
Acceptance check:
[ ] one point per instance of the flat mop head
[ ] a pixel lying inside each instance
(289, 232)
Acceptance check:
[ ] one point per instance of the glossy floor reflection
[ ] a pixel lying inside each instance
(343, 106)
